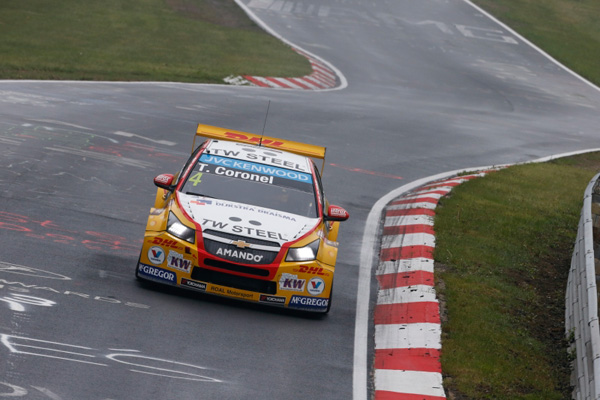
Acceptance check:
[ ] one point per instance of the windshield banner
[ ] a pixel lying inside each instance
(256, 168)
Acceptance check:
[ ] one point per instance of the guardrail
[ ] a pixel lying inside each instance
(581, 314)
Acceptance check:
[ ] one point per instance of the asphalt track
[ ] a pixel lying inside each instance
(431, 87)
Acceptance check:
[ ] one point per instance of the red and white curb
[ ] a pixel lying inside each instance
(407, 317)
(321, 78)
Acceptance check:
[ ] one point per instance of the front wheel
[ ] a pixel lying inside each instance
(137, 269)
(330, 299)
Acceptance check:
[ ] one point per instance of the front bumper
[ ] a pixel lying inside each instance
(168, 260)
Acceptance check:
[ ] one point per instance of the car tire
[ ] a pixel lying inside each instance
(137, 269)
(330, 299)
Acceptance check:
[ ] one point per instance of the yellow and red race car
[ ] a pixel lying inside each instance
(245, 218)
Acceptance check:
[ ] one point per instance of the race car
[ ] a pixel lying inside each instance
(245, 218)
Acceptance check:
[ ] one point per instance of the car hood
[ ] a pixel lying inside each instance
(246, 220)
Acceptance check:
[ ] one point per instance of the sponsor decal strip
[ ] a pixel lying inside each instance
(308, 303)
(265, 298)
(157, 274)
(201, 286)
(241, 167)
(407, 316)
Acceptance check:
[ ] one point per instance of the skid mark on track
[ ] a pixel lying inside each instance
(50, 231)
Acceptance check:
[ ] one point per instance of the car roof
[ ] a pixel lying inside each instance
(258, 154)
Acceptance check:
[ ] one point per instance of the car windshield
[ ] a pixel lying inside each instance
(254, 184)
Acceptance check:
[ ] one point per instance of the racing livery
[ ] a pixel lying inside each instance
(245, 218)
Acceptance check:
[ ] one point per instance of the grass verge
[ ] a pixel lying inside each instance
(207, 40)
(568, 30)
(137, 40)
(502, 264)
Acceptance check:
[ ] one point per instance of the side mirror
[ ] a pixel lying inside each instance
(164, 181)
(336, 213)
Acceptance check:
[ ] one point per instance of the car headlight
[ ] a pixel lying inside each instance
(306, 253)
(177, 229)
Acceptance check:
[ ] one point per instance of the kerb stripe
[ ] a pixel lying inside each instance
(397, 253)
(402, 279)
(406, 313)
(410, 211)
(384, 395)
(415, 200)
(414, 359)
(409, 382)
(407, 229)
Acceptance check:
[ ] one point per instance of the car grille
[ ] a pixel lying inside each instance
(236, 267)
(244, 256)
(240, 255)
(234, 281)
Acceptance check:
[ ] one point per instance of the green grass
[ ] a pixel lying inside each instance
(503, 249)
(568, 30)
(207, 40)
(158, 40)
